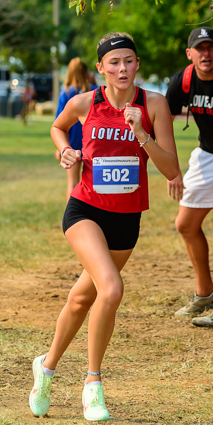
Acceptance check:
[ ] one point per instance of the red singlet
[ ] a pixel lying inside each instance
(114, 176)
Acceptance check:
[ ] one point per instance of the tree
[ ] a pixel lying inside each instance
(160, 33)
(81, 5)
(27, 33)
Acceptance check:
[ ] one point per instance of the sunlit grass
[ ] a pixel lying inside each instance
(33, 188)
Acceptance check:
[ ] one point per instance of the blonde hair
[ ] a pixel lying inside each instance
(114, 35)
(77, 75)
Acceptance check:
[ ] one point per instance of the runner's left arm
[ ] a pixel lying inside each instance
(75, 110)
(163, 153)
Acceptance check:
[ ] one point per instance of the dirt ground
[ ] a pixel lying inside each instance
(144, 376)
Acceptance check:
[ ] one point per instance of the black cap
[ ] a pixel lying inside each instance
(200, 34)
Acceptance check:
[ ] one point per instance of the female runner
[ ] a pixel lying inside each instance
(120, 125)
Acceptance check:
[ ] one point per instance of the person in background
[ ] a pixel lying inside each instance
(196, 91)
(78, 80)
(28, 97)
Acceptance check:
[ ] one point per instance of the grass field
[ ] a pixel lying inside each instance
(157, 369)
(33, 188)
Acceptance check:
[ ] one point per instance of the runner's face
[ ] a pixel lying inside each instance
(202, 57)
(119, 67)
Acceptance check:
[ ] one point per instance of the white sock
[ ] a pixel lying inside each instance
(46, 370)
(94, 382)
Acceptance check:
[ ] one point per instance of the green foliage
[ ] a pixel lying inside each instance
(81, 6)
(27, 32)
(160, 33)
(160, 29)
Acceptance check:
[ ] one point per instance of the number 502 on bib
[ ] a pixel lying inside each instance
(118, 174)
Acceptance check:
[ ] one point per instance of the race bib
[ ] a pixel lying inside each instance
(118, 174)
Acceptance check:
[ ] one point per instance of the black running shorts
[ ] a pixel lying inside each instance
(120, 229)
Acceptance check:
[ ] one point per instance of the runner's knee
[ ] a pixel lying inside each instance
(179, 224)
(185, 227)
(111, 295)
(78, 303)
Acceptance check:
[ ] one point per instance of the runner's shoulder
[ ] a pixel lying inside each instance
(155, 99)
(81, 102)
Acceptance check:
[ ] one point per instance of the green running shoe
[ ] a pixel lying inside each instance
(40, 395)
(93, 402)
